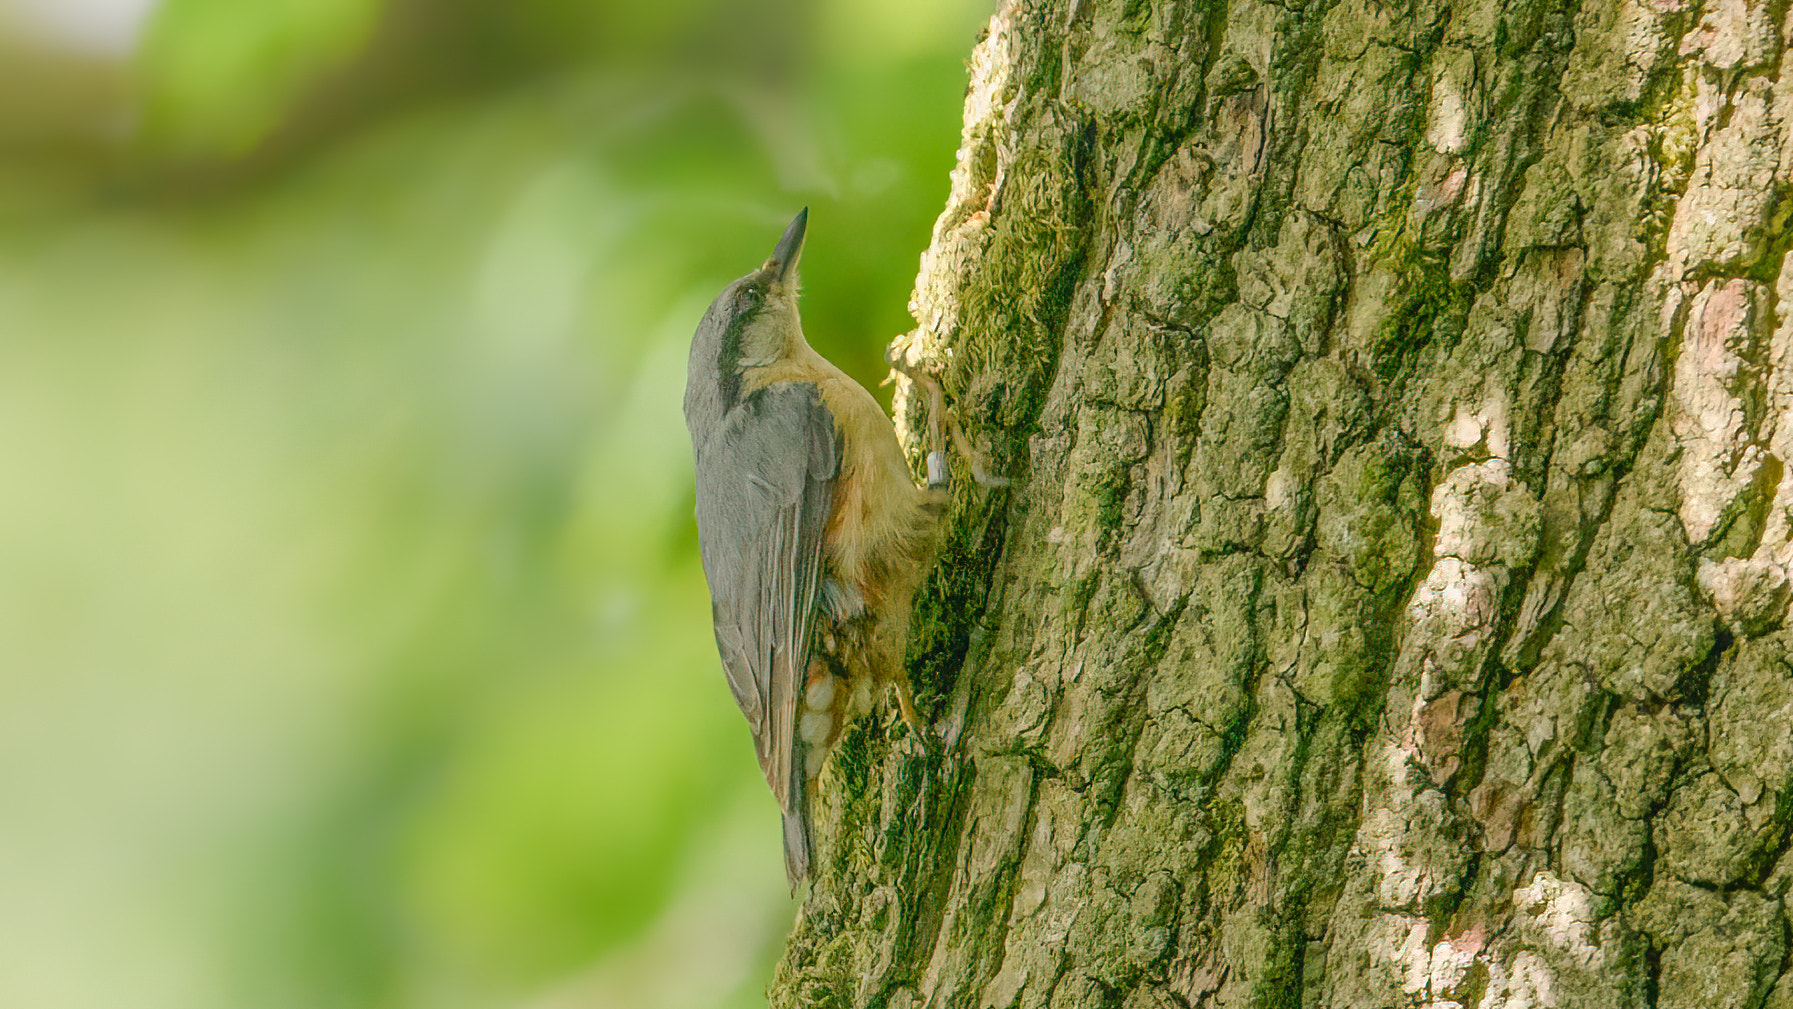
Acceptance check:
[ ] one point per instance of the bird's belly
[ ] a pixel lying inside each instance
(872, 524)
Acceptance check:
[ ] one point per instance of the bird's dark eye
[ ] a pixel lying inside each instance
(748, 299)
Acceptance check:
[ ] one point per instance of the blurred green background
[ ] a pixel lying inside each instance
(353, 646)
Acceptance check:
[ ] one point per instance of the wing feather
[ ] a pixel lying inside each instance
(765, 485)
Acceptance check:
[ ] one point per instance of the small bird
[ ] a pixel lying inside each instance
(814, 535)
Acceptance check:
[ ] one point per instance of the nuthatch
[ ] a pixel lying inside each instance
(814, 535)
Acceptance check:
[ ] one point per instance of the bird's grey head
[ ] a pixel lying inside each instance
(753, 322)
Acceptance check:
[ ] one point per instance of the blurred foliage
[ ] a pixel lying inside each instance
(221, 73)
(353, 648)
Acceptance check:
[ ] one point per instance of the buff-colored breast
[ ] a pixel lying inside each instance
(876, 503)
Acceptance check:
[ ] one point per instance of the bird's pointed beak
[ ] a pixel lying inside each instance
(790, 247)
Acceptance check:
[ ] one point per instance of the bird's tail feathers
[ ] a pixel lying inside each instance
(796, 845)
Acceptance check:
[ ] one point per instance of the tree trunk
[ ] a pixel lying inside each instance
(1389, 606)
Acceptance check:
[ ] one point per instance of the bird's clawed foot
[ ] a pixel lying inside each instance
(918, 730)
(941, 426)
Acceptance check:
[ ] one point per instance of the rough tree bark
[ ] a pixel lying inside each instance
(1390, 606)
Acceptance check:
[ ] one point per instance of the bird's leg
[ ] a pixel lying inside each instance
(912, 718)
(973, 457)
(906, 706)
(942, 425)
(938, 473)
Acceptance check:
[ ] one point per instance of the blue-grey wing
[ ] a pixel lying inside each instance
(765, 481)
